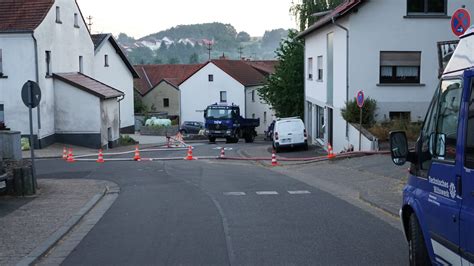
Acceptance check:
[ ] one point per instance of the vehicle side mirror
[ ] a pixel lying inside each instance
(399, 147)
(437, 144)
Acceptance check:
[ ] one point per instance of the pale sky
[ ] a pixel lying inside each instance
(139, 18)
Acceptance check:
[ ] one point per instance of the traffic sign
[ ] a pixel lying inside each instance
(360, 99)
(31, 100)
(460, 21)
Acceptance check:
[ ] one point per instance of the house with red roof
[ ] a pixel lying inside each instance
(184, 91)
(86, 81)
(388, 49)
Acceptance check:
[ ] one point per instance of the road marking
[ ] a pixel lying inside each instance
(267, 193)
(299, 192)
(234, 194)
(226, 149)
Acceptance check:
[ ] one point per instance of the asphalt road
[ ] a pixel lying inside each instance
(224, 213)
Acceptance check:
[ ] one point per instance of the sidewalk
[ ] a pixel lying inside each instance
(26, 223)
(56, 150)
(374, 179)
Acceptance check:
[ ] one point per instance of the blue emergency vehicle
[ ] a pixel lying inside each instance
(438, 202)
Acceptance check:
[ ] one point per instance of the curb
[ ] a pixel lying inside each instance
(378, 206)
(53, 239)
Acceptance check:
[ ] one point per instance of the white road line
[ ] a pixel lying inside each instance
(234, 194)
(267, 193)
(299, 192)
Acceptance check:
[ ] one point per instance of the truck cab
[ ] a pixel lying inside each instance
(437, 213)
(225, 121)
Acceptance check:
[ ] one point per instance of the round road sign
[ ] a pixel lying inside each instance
(35, 90)
(360, 99)
(460, 21)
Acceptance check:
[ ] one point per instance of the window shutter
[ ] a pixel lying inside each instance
(400, 58)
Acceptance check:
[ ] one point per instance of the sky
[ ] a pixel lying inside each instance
(139, 18)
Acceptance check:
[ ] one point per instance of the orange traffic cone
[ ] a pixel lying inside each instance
(137, 155)
(70, 157)
(64, 153)
(189, 157)
(331, 154)
(274, 159)
(101, 157)
(222, 153)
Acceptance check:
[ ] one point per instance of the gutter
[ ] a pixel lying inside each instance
(333, 20)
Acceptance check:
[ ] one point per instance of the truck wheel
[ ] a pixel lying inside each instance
(212, 139)
(418, 253)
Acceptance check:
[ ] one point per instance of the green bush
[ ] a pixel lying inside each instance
(382, 130)
(351, 112)
(25, 144)
(125, 140)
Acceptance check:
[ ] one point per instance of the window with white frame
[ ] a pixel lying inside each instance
(48, 63)
(320, 68)
(210, 78)
(426, 7)
(223, 96)
(81, 64)
(106, 60)
(58, 15)
(310, 68)
(400, 67)
(253, 95)
(166, 102)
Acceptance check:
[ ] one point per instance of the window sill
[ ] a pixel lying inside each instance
(401, 85)
(3, 77)
(59, 22)
(427, 16)
(48, 76)
(77, 26)
(320, 80)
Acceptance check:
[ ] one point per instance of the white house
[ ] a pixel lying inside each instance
(388, 49)
(48, 42)
(225, 81)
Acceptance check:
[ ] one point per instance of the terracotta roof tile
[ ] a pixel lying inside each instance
(241, 71)
(266, 67)
(23, 15)
(152, 75)
(89, 85)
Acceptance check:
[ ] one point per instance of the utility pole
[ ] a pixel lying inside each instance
(209, 49)
(241, 51)
(90, 23)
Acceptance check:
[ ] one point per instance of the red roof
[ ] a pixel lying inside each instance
(336, 13)
(89, 85)
(266, 67)
(152, 75)
(23, 15)
(241, 71)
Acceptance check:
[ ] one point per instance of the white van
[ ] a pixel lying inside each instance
(289, 132)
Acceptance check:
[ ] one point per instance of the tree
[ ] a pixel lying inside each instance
(243, 36)
(304, 9)
(194, 59)
(284, 90)
(173, 61)
(351, 112)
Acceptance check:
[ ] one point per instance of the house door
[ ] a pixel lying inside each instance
(109, 138)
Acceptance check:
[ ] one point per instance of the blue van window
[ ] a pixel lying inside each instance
(469, 161)
(447, 124)
(428, 128)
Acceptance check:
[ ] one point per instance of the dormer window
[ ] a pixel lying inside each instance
(58, 15)
(76, 20)
(106, 60)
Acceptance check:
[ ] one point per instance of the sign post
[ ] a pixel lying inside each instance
(31, 96)
(360, 102)
(460, 21)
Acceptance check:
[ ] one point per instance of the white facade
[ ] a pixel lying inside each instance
(118, 75)
(377, 26)
(257, 108)
(197, 92)
(24, 58)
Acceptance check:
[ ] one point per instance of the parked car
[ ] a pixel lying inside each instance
(289, 132)
(191, 127)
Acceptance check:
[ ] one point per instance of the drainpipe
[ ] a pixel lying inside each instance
(37, 80)
(119, 99)
(347, 65)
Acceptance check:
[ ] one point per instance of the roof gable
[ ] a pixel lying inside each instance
(336, 13)
(100, 39)
(23, 15)
(241, 71)
(152, 75)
